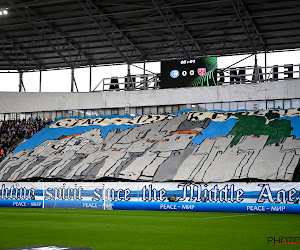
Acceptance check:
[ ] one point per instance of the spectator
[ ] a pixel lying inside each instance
(173, 198)
(12, 132)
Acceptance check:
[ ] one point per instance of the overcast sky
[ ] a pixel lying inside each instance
(60, 80)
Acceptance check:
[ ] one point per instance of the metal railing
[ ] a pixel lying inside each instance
(134, 82)
(233, 75)
(251, 74)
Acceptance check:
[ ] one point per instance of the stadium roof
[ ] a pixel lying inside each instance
(77, 33)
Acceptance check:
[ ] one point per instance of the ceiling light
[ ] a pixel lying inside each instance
(3, 11)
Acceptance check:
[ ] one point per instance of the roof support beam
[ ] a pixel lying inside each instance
(28, 20)
(16, 47)
(186, 32)
(68, 46)
(21, 83)
(40, 84)
(123, 34)
(111, 32)
(275, 13)
(145, 9)
(67, 41)
(249, 26)
(166, 18)
(12, 55)
(102, 29)
(15, 66)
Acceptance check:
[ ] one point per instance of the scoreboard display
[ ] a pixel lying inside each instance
(189, 72)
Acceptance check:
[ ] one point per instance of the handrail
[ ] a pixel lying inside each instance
(233, 75)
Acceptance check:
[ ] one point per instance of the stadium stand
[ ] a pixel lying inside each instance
(216, 139)
(185, 146)
(13, 132)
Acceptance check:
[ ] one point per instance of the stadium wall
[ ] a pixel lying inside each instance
(12, 102)
(260, 197)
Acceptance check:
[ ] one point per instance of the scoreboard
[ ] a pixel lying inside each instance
(189, 72)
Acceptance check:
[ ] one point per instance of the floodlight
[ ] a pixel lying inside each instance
(1, 13)
(5, 12)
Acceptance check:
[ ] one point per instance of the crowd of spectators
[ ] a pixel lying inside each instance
(12, 132)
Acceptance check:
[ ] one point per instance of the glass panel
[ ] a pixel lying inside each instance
(114, 111)
(182, 106)
(28, 115)
(233, 106)
(35, 114)
(209, 106)
(217, 106)
(107, 111)
(132, 111)
(261, 105)
(53, 115)
(161, 110)
(22, 116)
(193, 107)
(100, 111)
(121, 111)
(175, 108)
(58, 114)
(75, 113)
(46, 115)
(250, 105)
(278, 104)
(87, 113)
(225, 106)
(146, 110)
(201, 107)
(270, 104)
(287, 104)
(153, 110)
(81, 113)
(95, 112)
(139, 110)
(295, 103)
(241, 105)
(168, 109)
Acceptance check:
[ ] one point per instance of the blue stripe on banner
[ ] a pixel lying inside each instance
(22, 203)
(180, 206)
(74, 204)
(209, 207)
(159, 206)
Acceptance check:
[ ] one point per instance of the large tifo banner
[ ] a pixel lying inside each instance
(259, 197)
(187, 146)
(189, 73)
